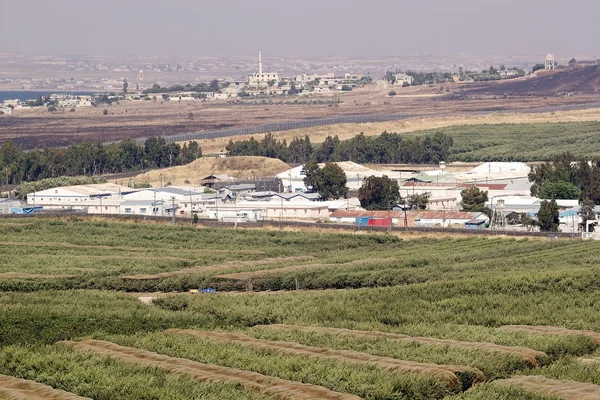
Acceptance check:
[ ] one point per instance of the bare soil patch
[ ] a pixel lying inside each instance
(238, 167)
(242, 276)
(445, 373)
(220, 267)
(567, 390)
(16, 389)
(530, 356)
(253, 381)
(550, 330)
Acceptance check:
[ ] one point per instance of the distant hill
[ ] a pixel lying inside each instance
(578, 80)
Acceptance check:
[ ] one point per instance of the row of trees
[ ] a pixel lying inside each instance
(567, 177)
(387, 148)
(213, 86)
(87, 158)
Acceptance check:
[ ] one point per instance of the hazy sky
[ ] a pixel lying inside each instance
(303, 28)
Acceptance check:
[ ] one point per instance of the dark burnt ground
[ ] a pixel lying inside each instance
(569, 81)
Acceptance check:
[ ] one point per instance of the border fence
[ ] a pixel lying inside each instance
(348, 119)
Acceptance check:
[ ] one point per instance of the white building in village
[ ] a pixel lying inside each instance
(76, 197)
(293, 179)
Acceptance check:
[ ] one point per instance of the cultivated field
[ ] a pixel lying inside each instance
(498, 122)
(375, 317)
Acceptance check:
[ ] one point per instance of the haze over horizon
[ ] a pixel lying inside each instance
(308, 29)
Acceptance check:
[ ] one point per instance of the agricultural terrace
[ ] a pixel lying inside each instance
(374, 316)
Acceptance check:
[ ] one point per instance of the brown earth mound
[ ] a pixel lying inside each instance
(267, 385)
(237, 167)
(530, 356)
(566, 390)
(219, 267)
(242, 276)
(16, 389)
(444, 373)
(580, 80)
(550, 330)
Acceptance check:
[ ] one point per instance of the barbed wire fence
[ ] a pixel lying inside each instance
(349, 119)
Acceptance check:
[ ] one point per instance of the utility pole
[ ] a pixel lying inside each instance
(191, 209)
(174, 210)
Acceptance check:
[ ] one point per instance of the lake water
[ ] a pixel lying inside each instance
(29, 95)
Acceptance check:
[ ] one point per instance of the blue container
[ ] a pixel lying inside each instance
(362, 221)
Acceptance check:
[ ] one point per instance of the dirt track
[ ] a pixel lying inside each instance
(445, 373)
(219, 267)
(16, 389)
(566, 390)
(241, 276)
(550, 330)
(529, 355)
(253, 381)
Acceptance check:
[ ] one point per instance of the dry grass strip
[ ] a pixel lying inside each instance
(267, 385)
(550, 330)
(445, 373)
(128, 248)
(243, 276)
(218, 267)
(16, 389)
(566, 390)
(11, 275)
(530, 356)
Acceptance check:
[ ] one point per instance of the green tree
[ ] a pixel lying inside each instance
(379, 193)
(548, 216)
(125, 86)
(334, 182)
(537, 67)
(473, 199)
(105, 111)
(214, 86)
(560, 190)
(418, 201)
(329, 181)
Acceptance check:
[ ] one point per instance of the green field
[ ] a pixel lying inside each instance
(444, 298)
(521, 142)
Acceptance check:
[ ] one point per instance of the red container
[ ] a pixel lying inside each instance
(380, 222)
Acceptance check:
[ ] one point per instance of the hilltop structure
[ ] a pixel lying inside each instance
(261, 79)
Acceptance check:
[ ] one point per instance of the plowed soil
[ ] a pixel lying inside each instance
(267, 385)
(550, 330)
(566, 390)
(530, 356)
(213, 268)
(242, 276)
(446, 373)
(16, 389)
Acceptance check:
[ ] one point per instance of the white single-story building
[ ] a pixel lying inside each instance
(76, 197)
